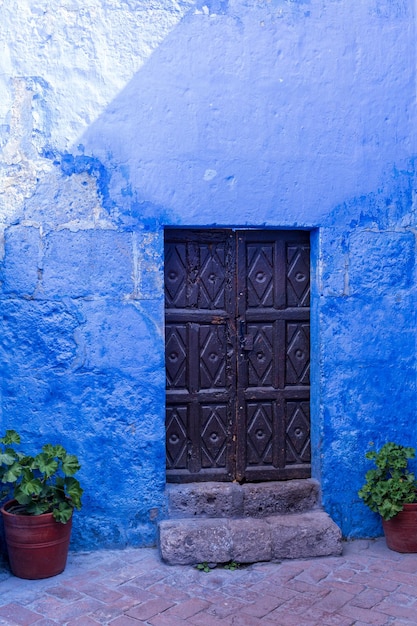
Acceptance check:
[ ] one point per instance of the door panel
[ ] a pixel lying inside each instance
(200, 354)
(237, 355)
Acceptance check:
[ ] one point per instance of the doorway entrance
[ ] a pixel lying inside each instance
(237, 322)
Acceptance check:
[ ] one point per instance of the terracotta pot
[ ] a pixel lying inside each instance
(37, 545)
(401, 531)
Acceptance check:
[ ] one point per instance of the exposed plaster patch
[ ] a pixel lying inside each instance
(85, 49)
(77, 225)
(146, 267)
(212, 7)
(209, 175)
(21, 166)
(77, 189)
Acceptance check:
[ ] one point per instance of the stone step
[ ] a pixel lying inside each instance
(256, 500)
(248, 540)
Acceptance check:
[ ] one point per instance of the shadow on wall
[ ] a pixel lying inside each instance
(260, 113)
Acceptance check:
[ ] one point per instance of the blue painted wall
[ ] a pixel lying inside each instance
(245, 113)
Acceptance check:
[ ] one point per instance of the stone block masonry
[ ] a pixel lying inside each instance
(121, 119)
(216, 523)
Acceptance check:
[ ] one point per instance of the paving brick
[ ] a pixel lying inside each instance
(225, 608)
(213, 595)
(167, 620)
(167, 591)
(63, 611)
(307, 588)
(145, 580)
(408, 590)
(407, 564)
(213, 580)
(369, 598)
(150, 608)
(314, 573)
(262, 606)
(85, 620)
(188, 608)
(286, 571)
(359, 623)
(272, 589)
(350, 587)
(246, 594)
(65, 593)
(205, 619)
(334, 600)
(336, 620)
(18, 614)
(106, 613)
(138, 594)
(244, 620)
(397, 610)
(377, 582)
(78, 580)
(396, 576)
(286, 619)
(369, 616)
(124, 621)
(296, 606)
(320, 617)
(342, 573)
(100, 592)
(401, 599)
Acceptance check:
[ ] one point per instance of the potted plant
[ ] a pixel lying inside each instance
(38, 517)
(390, 490)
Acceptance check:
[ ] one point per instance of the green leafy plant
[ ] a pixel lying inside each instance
(204, 567)
(207, 567)
(390, 484)
(43, 483)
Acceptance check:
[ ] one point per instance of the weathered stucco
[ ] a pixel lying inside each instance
(119, 118)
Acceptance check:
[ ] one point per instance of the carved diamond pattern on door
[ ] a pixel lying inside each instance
(176, 276)
(212, 350)
(214, 435)
(260, 275)
(259, 441)
(298, 275)
(260, 358)
(237, 355)
(176, 433)
(298, 353)
(298, 432)
(176, 355)
(212, 276)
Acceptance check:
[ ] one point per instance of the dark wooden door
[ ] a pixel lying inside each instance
(237, 355)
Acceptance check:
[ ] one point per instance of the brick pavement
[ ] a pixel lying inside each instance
(367, 585)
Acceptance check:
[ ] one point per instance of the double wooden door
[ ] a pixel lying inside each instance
(237, 355)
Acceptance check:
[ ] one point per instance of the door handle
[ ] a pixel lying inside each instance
(245, 340)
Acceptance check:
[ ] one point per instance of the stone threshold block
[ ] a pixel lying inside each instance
(247, 540)
(211, 499)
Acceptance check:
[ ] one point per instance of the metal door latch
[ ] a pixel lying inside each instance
(246, 341)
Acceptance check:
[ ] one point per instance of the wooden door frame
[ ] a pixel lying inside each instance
(246, 232)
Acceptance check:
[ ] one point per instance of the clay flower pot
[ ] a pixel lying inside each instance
(37, 545)
(401, 531)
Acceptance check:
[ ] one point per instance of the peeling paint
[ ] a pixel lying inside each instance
(20, 164)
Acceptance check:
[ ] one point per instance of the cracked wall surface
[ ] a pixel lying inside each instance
(118, 119)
